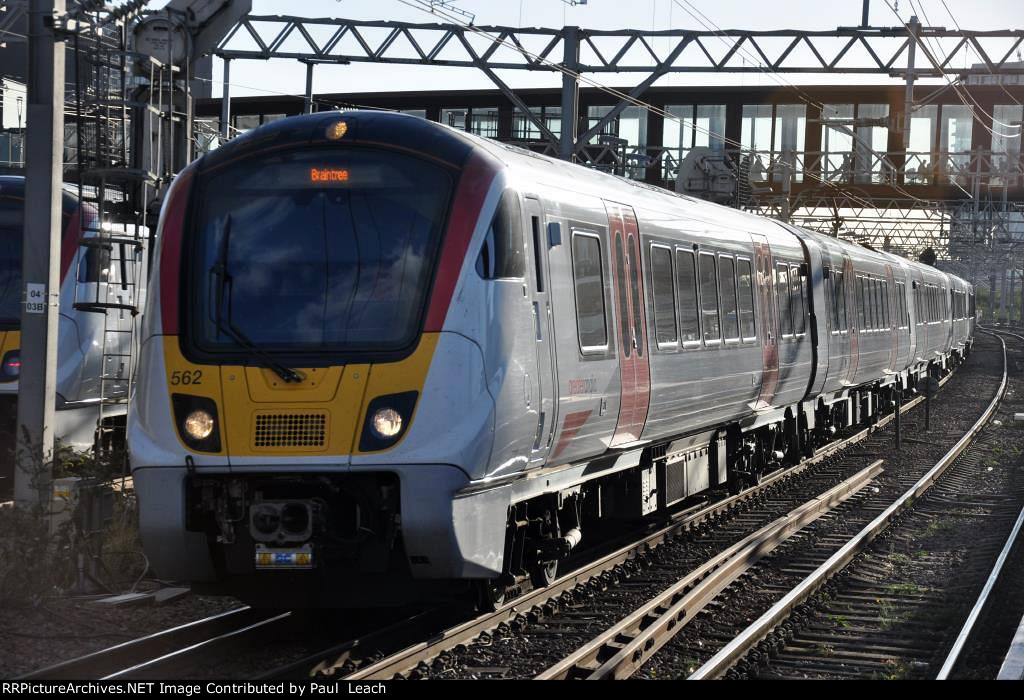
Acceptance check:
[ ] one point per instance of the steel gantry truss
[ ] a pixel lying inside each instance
(575, 52)
(889, 217)
(871, 50)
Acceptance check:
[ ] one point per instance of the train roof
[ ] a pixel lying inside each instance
(453, 147)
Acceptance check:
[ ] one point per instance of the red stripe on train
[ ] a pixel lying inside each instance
(570, 426)
(170, 232)
(69, 240)
(474, 183)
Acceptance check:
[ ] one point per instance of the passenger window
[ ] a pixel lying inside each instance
(901, 297)
(865, 315)
(620, 276)
(881, 287)
(879, 305)
(686, 294)
(730, 312)
(709, 297)
(664, 296)
(634, 286)
(830, 299)
(502, 255)
(799, 318)
(588, 278)
(782, 293)
(844, 324)
(748, 330)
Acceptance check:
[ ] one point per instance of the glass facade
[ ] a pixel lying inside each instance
(457, 117)
(871, 146)
(920, 163)
(773, 139)
(836, 144)
(955, 142)
(788, 141)
(483, 121)
(1006, 137)
(690, 126)
(525, 130)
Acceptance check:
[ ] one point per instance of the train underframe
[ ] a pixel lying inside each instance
(330, 539)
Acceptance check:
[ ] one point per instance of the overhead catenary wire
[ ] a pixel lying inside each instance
(957, 24)
(962, 93)
(926, 49)
(624, 96)
(807, 99)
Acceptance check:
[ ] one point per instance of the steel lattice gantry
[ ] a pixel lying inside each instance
(906, 208)
(576, 52)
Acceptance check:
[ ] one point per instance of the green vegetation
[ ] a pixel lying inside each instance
(43, 543)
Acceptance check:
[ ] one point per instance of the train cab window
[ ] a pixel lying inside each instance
(502, 255)
(730, 311)
(782, 294)
(799, 317)
(686, 297)
(662, 288)
(709, 298)
(588, 279)
(745, 286)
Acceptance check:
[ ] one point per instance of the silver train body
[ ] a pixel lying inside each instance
(90, 342)
(578, 350)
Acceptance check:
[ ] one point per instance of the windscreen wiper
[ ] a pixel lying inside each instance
(223, 321)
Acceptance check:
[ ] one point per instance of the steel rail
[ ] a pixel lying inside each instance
(993, 577)
(627, 645)
(972, 617)
(412, 656)
(113, 659)
(159, 666)
(736, 649)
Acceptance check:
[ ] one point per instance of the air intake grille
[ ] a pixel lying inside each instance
(290, 430)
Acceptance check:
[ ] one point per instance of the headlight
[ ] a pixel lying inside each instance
(387, 423)
(387, 420)
(12, 365)
(199, 424)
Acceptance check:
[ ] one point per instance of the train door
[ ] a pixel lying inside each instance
(546, 382)
(769, 324)
(852, 294)
(631, 326)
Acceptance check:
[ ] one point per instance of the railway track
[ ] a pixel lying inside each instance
(705, 542)
(691, 542)
(172, 650)
(889, 602)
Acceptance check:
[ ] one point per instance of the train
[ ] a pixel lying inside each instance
(385, 360)
(93, 334)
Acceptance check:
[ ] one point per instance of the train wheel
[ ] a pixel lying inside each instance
(491, 594)
(543, 574)
(735, 483)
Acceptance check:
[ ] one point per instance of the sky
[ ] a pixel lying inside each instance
(288, 77)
